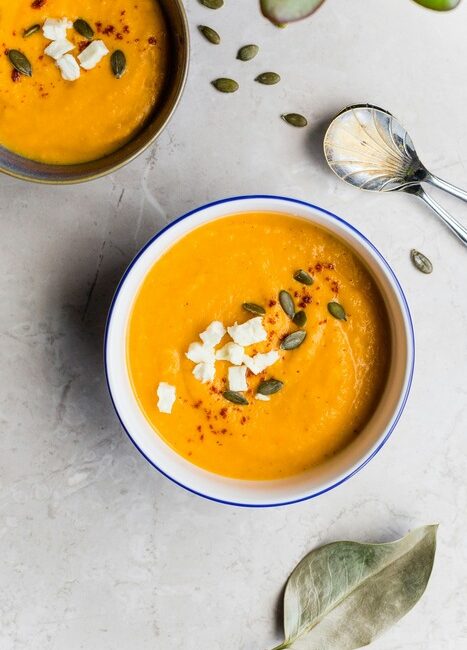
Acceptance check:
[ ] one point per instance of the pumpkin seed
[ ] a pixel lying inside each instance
(293, 340)
(247, 52)
(295, 119)
(300, 319)
(235, 398)
(269, 387)
(20, 62)
(31, 30)
(287, 303)
(83, 28)
(210, 34)
(212, 4)
(268, 78)
(336, 310)
(254, 308)
(421, 262)
(224, 85)
(303, 277)
(118, 63)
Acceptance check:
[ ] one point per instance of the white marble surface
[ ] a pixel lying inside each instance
(99, 552)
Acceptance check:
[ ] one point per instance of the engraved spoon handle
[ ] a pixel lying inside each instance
(447, 187)
(457, 228)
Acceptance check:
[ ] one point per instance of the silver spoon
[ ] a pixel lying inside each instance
(367, 147)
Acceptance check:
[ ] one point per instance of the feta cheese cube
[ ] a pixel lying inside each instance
(91, 56)
(199, 352)
(260, 362)
(262, 398)
(69, 67)
(213, 334)
(248, 333)
(231, 352)
(167, 395)
(205, 372)
(55, 29)
(56, 49)
(237, 378)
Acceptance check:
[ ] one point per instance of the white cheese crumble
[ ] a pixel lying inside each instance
(248, 333)
(237, 378)
(166, 394)
(91, 56)
(260, 362)
(231, 352)
(55, 29)
(200, 352)
(262, 398)
(69, 67)
(205, 372)
(213, 334)
(57, 49)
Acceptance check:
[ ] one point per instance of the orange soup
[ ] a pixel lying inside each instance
(47, 118)
(318, 395)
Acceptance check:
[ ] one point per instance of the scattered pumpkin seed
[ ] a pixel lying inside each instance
(293, 340)
(253, 308)
(118, 63)
(31, 30)
(270, 387)
(224, 85)
(235, 398)
(287, 303)
(295, 119)
(212, 4)
(300, 319)
(83, 28)
(336, 310)
(210, 34)
(268, 78)
(20, 62)
(303, 277)
(247, 52)
(421, 262)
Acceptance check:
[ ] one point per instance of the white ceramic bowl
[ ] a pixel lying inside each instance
(260, 493)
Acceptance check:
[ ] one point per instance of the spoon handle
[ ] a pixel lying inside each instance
(447, 187)
(457, 228)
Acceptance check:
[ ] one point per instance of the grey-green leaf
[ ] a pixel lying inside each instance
(295, 119)
(247, 52)
(225, 85)
(287, 303)
(253, 308)
(336, 310)
(344, 595)
(268, 78)
(421, 261)
(212, 4)
(210, 34)
(118, 63)
(31, 30)
(84, 28)
(300, 319)
(304, 277)
(294, 340)
(235, 398)
(21, 62)
(270, 387)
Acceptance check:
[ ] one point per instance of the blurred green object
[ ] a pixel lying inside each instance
(439, 5)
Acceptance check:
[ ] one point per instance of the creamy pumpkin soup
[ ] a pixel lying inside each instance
(78, 78)
(258, 346)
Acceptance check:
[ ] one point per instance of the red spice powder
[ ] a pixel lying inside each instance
(223, 412)
(15, 75)
(243, 420)
(99, 26)
(119, 36)
(126, 29)
(198, 428)
(318, 267)
(197, 404)
(38, 4)
(108, 30)
(82, 45)
(272, 303)
(152, 40)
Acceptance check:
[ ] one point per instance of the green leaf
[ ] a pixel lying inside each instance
(286, 11)
(439, 5)
(344, 595)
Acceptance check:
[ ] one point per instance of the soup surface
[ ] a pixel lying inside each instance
(48, 119)
(331, 382)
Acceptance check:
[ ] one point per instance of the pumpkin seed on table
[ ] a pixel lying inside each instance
(336, 310)
(212, 4)
(235, 398)
(20, 62)
(295, 119)
(303, 277)
(300, 319)
(253, 308)
(294, 340)
(247, 52)
(31, 30)
(210, 34)
(224, 85)
(421, 261)
(287, 303)
(84, 28)
(270, 387)
(268, 78)
(118, 63)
